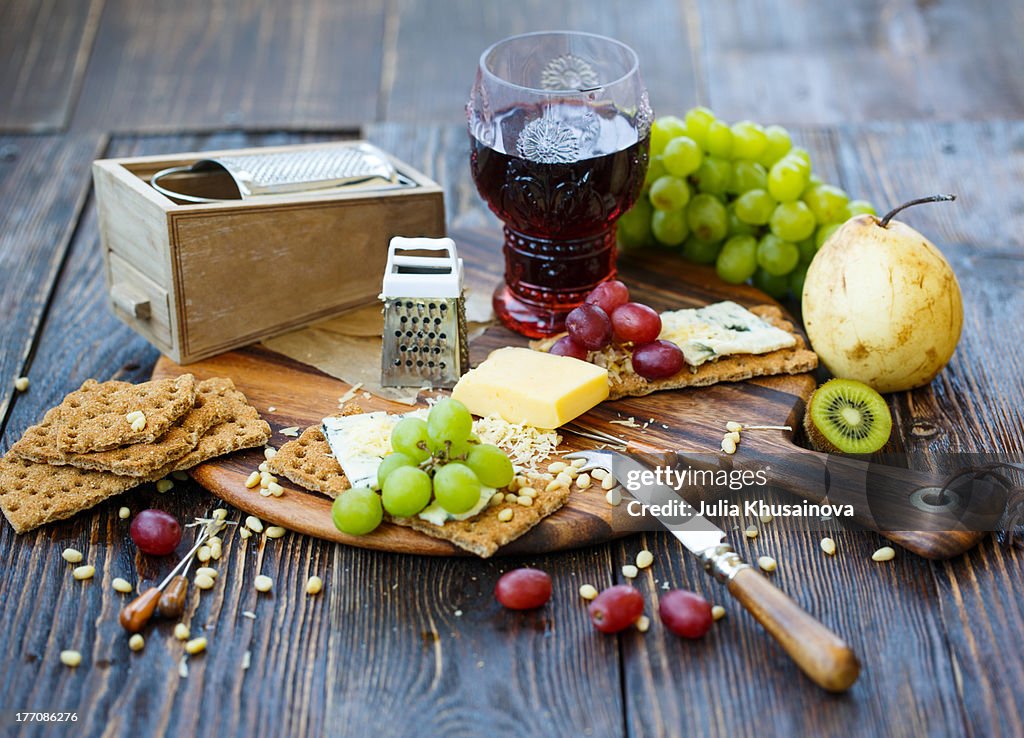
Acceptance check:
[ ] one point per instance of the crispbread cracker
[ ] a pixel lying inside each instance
(484, 534)
(309, 462)
(39, 442)
(34, 494)
(92, 418)
(733, 368)
(243, 428)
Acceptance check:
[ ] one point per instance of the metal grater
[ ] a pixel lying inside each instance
(311, 169)
(424, 314)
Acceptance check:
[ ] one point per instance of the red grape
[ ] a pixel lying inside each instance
(523, 589)
(616, 608)
(636, 323)
(565, 346)
(609, 295)
(686, 614)
(156, 532)
(589, 326)
(657, 359)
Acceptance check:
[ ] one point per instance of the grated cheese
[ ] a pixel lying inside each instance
(350, 394)
(629, 422)
(527, 447)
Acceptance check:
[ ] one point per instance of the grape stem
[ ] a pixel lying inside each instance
(884, 222)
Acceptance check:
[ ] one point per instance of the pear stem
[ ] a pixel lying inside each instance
(884, 222)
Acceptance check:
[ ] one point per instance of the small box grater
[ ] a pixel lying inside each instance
(424, 314)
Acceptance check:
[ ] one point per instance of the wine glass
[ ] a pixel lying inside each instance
(559, 127)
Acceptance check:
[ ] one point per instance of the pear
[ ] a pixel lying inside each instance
(881, 304)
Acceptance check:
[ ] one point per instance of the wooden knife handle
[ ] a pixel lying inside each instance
(821, 654)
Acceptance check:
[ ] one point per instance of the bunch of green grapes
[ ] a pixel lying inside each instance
(438, 459)
(741, 197)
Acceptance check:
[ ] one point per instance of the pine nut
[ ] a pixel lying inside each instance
(556, 467)
(124, 513)
(734, 437)
(220, 513)
(196, 645)
(766, 518)
(121, 585)
(553, 486)
(643, 624)
(751, 531)
(644, 559)
(275, 489)
(181, 476)
(828, 546)
(164, 485)
(511, 497)
(71, 555)
(313, 585)
(733, 426)
(728, 445)
(253, 480)
(767, 563)
(203, 554)
(588, 591)
(133, 416)
(524, 500)
(275, 531)
(583, 481)
(609, 482)
(263, 583)
(244, 533)
(138, 424)
(181, 632)
(717, 612)
(599, 474)
(885, 553)
(246, 660)
(70, 658)
(262, 468)
(204, 581)
(629, 571)
(254, 524)
(505, 515)
(496, 499)
(269, 452)
(613, 497)
(264, 491)
(82, 573)
(579, 463)
(528, 492)
(136, 642)
(21, 384)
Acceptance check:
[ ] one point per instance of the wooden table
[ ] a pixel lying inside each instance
(399, 646)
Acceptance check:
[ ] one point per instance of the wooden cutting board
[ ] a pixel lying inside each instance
(290, 394)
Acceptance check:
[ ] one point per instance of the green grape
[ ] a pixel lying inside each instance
(755, 207)
(736, 226)
(775, 256)
(737, 261)
(491, 465)
(701, 252)
(858, 207)
(714, 175)
(748, 140)
(777, 143)
(807, 249)
(775, 286)
(718, 140)
(663, 130)
(828, 203)
(670, 193)
(748, 175)
(786, 180)
(406, 491)
(449, 420)
(697, 122)
(452, 451)
(669, 227)
(796, 281)
(634, 227)
(792, 221)
(802, 155)
(814, 180)
(707, 218)
(410, 437)
(357, 511)
(823, 233)
(391, 462)
(682, 156)
(655, 168)
(457, 488)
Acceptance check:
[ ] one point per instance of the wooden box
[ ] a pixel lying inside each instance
(199, 279)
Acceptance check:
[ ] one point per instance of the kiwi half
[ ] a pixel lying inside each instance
(848, 417)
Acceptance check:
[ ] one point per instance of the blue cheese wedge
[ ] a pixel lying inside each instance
(434, 513)
(359, 442)
(721, 329)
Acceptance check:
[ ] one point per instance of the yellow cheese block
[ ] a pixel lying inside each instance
(532, 387)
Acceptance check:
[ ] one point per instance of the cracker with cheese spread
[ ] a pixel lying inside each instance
(762, 344)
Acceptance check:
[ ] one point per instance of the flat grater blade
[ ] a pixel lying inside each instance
(424, 314)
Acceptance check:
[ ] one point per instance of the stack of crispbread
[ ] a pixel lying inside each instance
(106, 438)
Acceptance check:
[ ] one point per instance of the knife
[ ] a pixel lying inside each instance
(822, 655)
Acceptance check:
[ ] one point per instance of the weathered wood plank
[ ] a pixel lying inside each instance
(155, 66)
(812, 62)
(43, 183)
(44, 48)
(432, 57)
